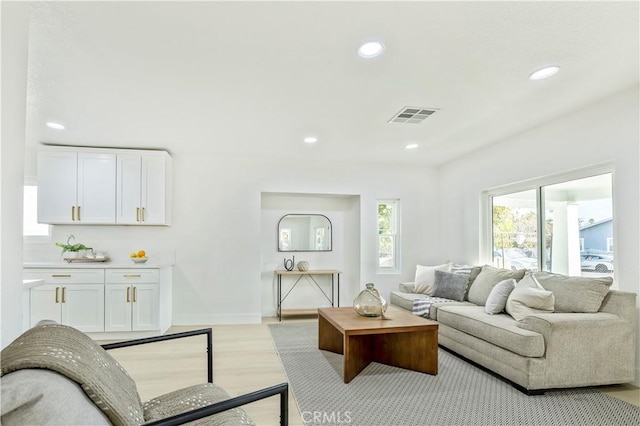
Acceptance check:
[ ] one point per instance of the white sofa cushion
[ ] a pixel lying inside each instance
(487, 279)
(404, 300)
(497, 300)
(500, 330)
(575, 294)
(529, 297)
(426, 277)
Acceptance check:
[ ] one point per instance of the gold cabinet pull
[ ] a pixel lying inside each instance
(78, 212)
(143, 214)
(57, 298)
(73, 212)
(132, 275)
(63, 294)
(60, 275)
(137, 214)
(135, 296)
(128, 299)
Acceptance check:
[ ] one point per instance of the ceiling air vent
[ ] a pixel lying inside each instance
(413, 115)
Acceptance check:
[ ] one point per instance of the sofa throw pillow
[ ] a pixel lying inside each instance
(450, 286)
(487, 279)
(498, 296)
(425, 277)
(575, 294)
(473, 274)
(529, 297)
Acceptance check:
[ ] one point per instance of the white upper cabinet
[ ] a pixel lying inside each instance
(76, 187)
(143, 189)
(104, 186)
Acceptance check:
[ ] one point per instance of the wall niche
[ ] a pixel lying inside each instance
(344, 212)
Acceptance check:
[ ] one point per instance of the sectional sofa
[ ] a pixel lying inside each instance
(549, 331)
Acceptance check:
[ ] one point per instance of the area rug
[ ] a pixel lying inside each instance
(461, 393)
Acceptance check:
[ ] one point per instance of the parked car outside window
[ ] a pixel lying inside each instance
(596, 262)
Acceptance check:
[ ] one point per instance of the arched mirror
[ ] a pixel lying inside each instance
(304, 232)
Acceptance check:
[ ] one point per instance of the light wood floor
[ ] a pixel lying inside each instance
(244, 360)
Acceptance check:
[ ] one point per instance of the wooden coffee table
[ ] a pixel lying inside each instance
(405, 340)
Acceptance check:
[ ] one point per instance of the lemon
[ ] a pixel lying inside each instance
(133, 254)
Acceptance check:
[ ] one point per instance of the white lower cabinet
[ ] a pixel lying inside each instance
(107, 303)
(132, 300)
(70, 297)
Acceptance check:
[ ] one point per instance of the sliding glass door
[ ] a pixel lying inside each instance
(564, 227)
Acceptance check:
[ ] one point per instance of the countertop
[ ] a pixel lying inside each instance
(94, 265)
(32, 283)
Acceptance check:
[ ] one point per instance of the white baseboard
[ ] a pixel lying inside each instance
(217, 319)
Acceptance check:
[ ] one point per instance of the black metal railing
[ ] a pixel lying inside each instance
(172, 336)
(228, 404)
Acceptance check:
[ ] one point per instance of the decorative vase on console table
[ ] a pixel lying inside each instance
(303, 265)
(288, 263)
(369, 303)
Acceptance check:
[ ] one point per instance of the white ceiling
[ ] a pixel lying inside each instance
(255, 78)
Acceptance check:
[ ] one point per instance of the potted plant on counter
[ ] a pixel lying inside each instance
(72, 250)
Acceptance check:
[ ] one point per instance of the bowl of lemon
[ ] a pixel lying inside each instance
(138, 256)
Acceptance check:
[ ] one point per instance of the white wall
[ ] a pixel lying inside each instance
(15, 18)
(604, 131)
(219, 231)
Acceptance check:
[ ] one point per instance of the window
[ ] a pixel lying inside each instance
(515, 231)
(388, 236)
(564, 226)
(31, 227)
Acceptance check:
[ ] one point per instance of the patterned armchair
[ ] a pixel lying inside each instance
(55, 374)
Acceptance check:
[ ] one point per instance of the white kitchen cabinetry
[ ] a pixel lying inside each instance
(104, 186)
(143, 188)
(76, 186)
(132, 299)
(112, 301)
(70, 297)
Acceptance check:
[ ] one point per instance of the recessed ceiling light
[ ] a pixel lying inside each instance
(55, 126)
(370, 49)
(411, 146)
(543, 73)
(310, 139)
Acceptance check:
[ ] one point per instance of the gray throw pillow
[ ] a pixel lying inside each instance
(575, 294)
(450, 286)
(497, 299)
(487, 279)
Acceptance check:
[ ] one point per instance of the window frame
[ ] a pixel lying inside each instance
(486, 205)
(32, 181)
(396, 267)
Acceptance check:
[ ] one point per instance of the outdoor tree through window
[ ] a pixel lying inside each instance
(388, 238)
(515, 236)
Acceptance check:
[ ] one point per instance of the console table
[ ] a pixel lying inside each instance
(335, 278)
